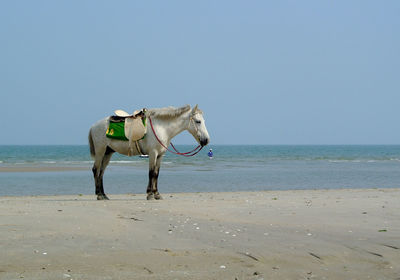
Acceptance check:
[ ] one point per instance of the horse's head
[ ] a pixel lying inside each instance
(197, 126)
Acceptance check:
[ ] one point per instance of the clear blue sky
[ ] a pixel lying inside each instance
(264, 72)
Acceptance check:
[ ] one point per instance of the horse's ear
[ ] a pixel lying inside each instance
(195, 108)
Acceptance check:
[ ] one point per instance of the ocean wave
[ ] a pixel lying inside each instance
(361, 160)
(344, 160)
(46, 163)
(221, 162)
(124, 161)
(77, 161)
(261, 160)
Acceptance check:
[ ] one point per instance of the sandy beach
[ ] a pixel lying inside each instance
(308, 234)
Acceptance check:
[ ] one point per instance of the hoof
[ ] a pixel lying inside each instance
(158, 196)
(150, 196)
(102, 197)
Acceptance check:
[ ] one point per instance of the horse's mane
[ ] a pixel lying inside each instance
(167, 112)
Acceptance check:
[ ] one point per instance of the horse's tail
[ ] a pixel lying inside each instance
(91, 144)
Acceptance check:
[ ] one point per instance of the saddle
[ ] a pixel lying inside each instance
(121, 115)
(134, 127)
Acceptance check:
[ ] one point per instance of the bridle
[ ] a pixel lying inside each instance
(176, 152)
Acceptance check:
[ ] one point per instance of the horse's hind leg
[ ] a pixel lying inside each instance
(104, 163)
(98, 172)
(97, 180)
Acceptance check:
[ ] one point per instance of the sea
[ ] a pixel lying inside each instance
(233, 168)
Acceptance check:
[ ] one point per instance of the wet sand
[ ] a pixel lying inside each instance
(310, 234)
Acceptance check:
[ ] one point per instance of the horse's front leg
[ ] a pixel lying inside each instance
(154, 169)
(155, 186)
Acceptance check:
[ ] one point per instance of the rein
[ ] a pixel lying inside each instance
(176, 152)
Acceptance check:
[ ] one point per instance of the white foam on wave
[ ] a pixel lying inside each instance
(346, 160)
(361, 161)
(78, 161)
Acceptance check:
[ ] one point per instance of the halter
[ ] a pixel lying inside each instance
(176, 152)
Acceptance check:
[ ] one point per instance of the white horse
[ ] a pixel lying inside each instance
(167, 123)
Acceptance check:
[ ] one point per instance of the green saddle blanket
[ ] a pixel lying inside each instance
(116, 131)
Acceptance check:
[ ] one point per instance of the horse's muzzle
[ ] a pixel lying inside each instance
(204, 141)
